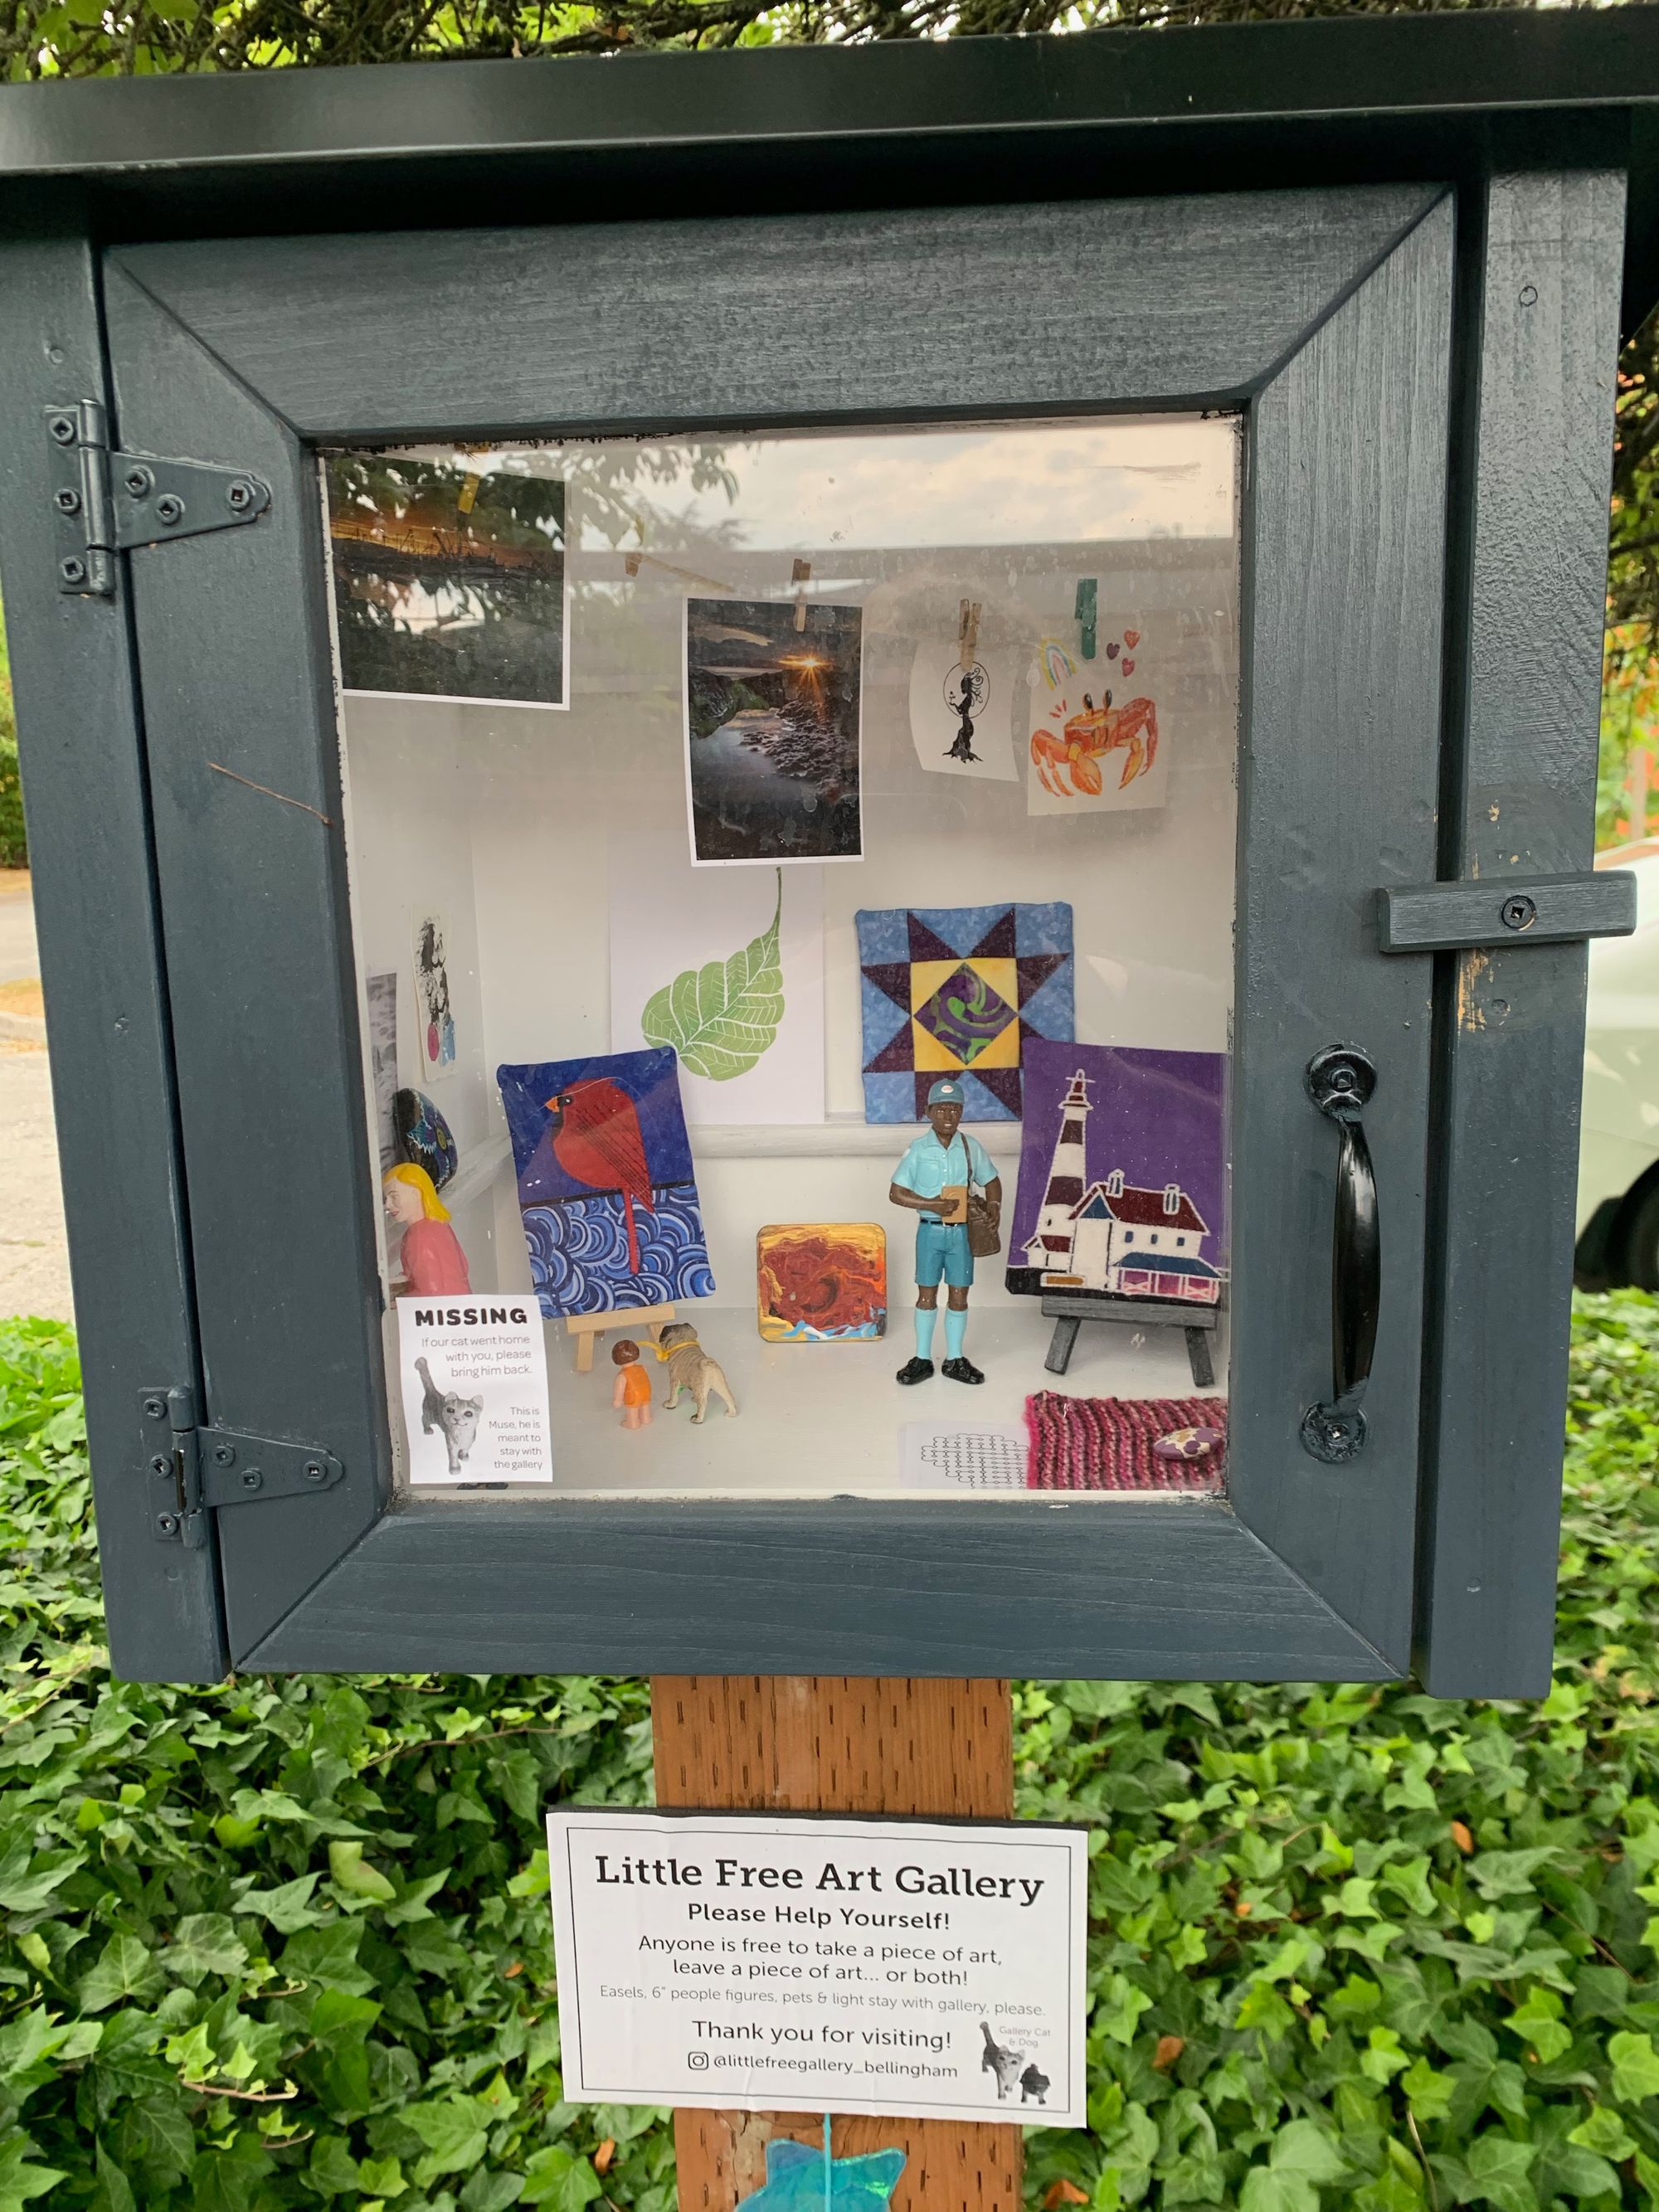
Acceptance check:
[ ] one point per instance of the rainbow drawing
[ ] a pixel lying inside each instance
(1055, 663)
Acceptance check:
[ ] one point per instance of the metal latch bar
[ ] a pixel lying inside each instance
(1508, 910)
(198, 1470)
(107, 502)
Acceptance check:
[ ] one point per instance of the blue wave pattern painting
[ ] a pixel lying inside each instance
(578, 1252)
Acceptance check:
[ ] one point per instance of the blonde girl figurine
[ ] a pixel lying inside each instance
(433, 1265)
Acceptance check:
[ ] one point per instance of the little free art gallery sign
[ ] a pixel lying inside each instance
(908, 1968)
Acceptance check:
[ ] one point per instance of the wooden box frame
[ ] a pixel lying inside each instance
(1426, 371)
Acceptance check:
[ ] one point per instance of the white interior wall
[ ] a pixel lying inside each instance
(515, 822)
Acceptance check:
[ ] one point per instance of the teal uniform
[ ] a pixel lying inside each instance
(929, 1168)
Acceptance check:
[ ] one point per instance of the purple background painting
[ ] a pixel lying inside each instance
(1160, 1116)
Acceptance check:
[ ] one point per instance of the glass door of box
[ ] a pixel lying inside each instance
(791, 896)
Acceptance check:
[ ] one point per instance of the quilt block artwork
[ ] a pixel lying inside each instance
(960, 991)
(605, 1188)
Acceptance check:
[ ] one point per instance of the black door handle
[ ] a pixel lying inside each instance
(1340, 1081)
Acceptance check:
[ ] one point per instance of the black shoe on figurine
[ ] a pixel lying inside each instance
(916, 1371)
(962, 1370)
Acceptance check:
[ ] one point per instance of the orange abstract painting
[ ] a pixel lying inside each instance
(822, 1282)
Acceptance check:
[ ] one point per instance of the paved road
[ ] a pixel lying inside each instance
(34, 1259)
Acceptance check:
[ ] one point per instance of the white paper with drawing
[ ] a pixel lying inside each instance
(727, 966)
(1093, 742)
(474, 1377)
(959, 708)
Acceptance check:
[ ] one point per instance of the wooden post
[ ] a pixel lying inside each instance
(832, 1743)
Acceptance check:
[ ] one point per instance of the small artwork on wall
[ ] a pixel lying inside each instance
(959, 991)
(434, 1015)
(1094, 744)
(772, 731)
(1123, 1171)
(822, 1282)
(959, 711)
(606, 1191)
(381, 993)
(449, 576)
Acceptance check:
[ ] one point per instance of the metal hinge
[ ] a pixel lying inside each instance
(197, 1471)
(1462, 917)
(109, 502)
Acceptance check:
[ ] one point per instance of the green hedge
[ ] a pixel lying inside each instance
(13, 845)
(285, 1942)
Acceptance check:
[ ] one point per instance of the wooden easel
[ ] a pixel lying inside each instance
(587, 1327)
(823, 1743)
(1069, 1312)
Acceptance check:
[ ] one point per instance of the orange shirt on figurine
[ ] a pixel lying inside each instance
(633, 1390)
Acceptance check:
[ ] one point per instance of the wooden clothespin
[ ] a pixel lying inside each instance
(1085, 610)
(968, 632)
(631, 563)
(802, 575)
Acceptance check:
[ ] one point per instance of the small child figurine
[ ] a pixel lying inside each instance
(633, 1390)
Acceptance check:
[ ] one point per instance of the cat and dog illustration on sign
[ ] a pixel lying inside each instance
(1012, 2070)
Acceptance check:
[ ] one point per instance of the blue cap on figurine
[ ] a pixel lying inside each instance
(945, 1093)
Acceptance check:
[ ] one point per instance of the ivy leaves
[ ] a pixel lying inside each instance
(722, 1017)
(285, 1943)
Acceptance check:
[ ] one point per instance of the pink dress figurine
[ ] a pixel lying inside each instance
(433, 1265)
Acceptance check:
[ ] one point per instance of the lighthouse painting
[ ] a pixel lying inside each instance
(1122, 1191)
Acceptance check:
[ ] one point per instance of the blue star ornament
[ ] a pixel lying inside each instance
(794, 2181)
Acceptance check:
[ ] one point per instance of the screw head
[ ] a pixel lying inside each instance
(138, 481)
(238, 495)
(72, 569)
(62, 428)
(315, 1471)
(1518, 912)
(224, 1455)
(252, 1479)
(169, 509)
(167, 1523)
(154, 1408)
(160, 1466)
(66, 501)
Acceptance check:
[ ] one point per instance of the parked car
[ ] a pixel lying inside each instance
(1619, 1135)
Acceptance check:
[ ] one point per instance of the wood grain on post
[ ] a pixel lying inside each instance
(832, 1743)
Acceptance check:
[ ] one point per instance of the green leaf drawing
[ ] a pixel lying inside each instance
(721, 1018)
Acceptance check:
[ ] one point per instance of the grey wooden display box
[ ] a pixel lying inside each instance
(1400, 246)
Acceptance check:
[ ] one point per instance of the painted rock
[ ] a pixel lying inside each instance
(1189, 1444)
(423, 1136)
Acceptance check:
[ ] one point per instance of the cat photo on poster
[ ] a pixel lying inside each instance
(1095, 745)
(606, 1192)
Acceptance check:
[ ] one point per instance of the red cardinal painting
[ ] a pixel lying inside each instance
(597, 1141)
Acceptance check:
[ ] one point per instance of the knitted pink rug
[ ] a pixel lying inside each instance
(1106, 1443)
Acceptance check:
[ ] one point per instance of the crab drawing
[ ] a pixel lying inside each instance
(1076, 750)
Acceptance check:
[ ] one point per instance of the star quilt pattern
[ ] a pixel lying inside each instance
(959, 991)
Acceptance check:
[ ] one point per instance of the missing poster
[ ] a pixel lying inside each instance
(474, 1378)
(911, 1969)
